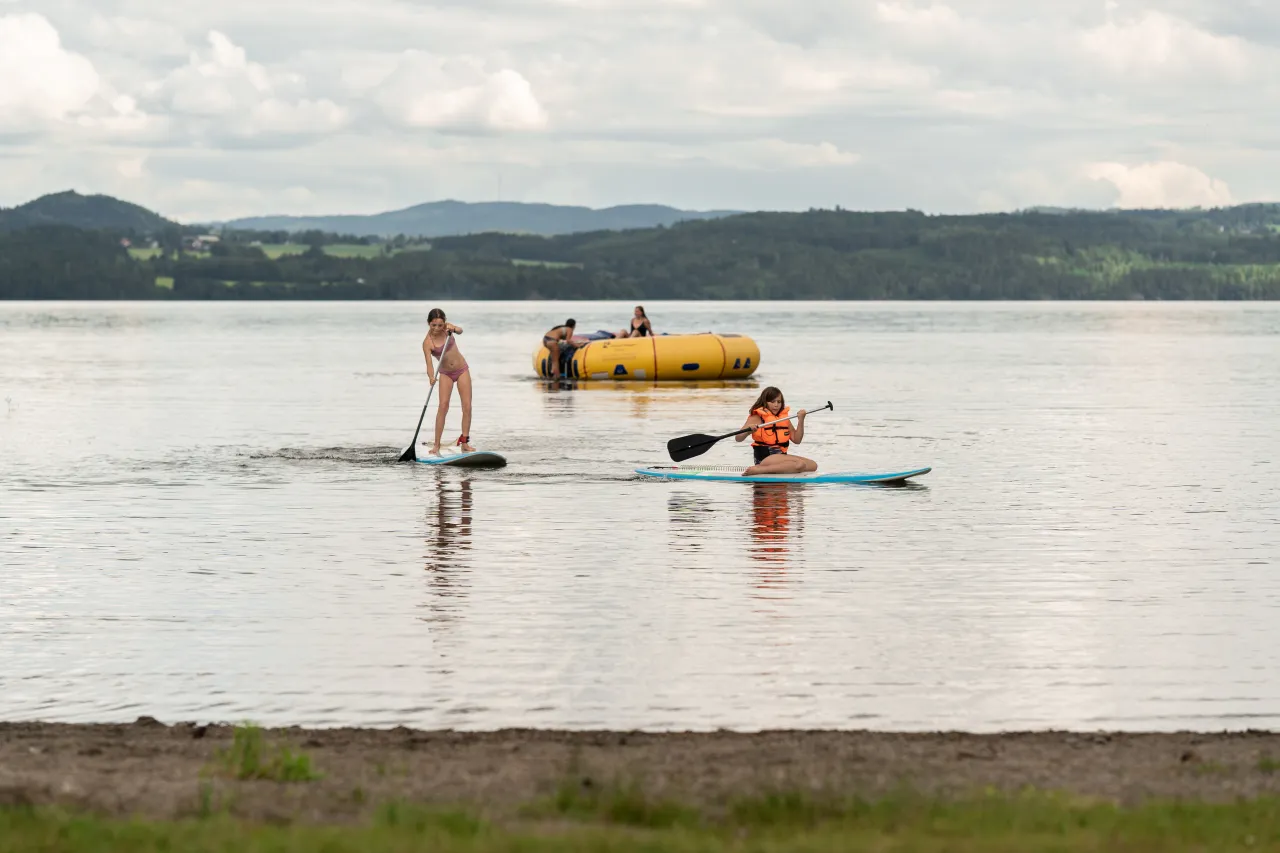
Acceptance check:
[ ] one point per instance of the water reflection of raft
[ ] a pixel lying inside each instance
(705, 355)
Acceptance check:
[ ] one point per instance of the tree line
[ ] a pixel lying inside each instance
(1232, 253)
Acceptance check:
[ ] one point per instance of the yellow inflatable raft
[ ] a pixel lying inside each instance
(699, 356)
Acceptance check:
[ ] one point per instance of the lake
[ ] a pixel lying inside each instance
(201, 518)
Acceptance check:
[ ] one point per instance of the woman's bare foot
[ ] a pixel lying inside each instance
(467, 448)
(435, 450)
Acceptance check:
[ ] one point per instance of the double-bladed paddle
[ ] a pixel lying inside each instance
(411, 455)
(689, 446)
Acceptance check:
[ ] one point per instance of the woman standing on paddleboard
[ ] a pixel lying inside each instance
(454, 370)
(772, 439)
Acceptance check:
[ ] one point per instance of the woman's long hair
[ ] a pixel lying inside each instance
(435, 314)
(766, 395)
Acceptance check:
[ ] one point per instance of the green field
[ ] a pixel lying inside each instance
(619, 821)
(555, 265)
(338, 250)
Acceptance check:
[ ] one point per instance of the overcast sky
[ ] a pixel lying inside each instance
(239, 107)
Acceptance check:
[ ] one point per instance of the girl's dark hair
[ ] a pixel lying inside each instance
(766, 395)
(571, 323)
(640, 308)
(435, 314)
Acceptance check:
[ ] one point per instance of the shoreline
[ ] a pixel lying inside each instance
(165, 771)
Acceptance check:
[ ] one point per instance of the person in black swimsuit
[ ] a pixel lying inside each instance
(640, 325)
(560, 336)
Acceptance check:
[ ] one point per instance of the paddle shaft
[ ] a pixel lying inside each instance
(769, 423)
(412, 452)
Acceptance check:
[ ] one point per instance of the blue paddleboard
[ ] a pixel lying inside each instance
(474, 459)
(724, 473)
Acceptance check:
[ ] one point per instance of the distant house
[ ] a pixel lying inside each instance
(199, 244)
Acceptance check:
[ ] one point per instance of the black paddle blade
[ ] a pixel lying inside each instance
(410, 455)
(689, 446)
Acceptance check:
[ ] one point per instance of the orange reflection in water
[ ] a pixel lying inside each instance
(777, 515)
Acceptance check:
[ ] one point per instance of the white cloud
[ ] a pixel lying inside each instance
(1162, 184)
(243, 98)
(1159, 44)
(39, 79)
(425, 91)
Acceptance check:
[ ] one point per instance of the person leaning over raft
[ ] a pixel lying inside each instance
(453, 370)
(770, 443)
(553, 341)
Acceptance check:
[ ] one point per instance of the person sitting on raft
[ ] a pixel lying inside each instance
(640, 325)
(772, 439)
(554, 339)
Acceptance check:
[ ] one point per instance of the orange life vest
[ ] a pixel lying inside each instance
(768, 435)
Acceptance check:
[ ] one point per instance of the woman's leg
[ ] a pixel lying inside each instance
(446, 388)
(464, 394)
(782, 463)
(553, 360)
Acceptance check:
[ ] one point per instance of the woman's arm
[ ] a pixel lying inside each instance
(426, 353)
(457, 330)
(797, 431)
(754, 420)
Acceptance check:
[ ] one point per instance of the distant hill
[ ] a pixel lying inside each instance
(89, 212)
(448, 218)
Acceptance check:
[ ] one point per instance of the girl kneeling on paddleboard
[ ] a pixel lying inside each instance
(773, 437)
(453, 371)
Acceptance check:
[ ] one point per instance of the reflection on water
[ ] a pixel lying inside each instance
(777, 522)
(690, 519)
(448, 549)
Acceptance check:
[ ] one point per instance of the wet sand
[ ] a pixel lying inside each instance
(152, 769)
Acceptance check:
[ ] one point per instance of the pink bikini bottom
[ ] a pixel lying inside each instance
(454, 374)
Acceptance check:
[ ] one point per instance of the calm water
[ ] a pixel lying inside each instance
(200, 519)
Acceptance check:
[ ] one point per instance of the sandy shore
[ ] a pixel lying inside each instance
(149, 768)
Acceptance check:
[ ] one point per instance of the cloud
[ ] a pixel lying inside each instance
(40, 80)
(224, 93)
(461, 95)
(1158, 44)
(1164, 184)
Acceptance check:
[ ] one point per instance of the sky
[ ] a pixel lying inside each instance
(213, 110)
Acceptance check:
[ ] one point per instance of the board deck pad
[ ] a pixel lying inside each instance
(733, 474)
(474, 459)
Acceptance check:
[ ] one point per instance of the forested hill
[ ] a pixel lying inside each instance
(442, 218)
(1230, 253)
(84, 211)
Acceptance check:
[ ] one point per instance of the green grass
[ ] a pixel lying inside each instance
(250, 758)
(626, 820)
(143, 254)
(165, 281)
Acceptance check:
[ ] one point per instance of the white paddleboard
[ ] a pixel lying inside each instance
(473, 459)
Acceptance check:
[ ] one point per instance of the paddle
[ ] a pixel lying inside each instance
(689, 446)
(411, 455)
